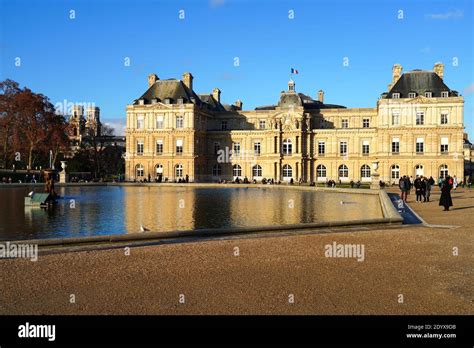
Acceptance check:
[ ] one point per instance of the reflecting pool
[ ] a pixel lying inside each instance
(104, 210)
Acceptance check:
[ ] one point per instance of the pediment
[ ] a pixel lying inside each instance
(421, 99)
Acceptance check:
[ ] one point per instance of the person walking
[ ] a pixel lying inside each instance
(445, 200)
(429, 183)
(418, 189)
(403, 185)
(455, 182)
(423, 183)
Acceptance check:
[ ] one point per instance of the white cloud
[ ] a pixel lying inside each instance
(117, 124)
(446, 15)
(469, 89)
(426, 49)
(216, 3)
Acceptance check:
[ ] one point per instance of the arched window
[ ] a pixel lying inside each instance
(159, 169)
(419, 170)
(443, 171)
(237, 171)
(178, 169)
(256, 171)
(395, 171)
(321, 171)
(365, 171)
(216, 170)
(287, 171)
(343, 171)
(139, 171)
(287, 147)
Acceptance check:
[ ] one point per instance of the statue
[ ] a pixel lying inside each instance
(49, 183)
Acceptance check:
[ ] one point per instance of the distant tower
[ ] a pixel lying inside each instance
(77, 122)
(291, 86)
(93, 120)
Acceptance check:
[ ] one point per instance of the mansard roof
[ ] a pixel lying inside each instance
(171, 89)
(211, 103)
(419, 82)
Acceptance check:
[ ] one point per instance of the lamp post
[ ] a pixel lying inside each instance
(374, 184)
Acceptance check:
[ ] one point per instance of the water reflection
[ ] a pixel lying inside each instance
(86, 211)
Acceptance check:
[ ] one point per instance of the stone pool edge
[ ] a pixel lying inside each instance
(389, 212)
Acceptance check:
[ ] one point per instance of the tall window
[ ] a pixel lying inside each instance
(236, 148)
(179, 146)
(140, 122)
(345, 123)
(365, 147)
(287, 171)
(257, 148)
(395, 118)
(159, 147)
(321, 171)
(321, 148)
(343, 148)
(343, 171)
(444, 118)
(365, 171)
(287, 147)
(160, 121)
(444, 145)
(420, 145)
(224, 125)
(366, 123)
(261, 124)
(420, 118)
(140, 147)
(395, 145)
(237, 171)
(256, 171)
(395, 171)
(217, 147)
(139, 170)
(216, 170)
(178, 170)
(179, 121)
(443, 171)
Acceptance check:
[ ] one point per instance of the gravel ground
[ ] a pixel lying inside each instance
(416, 262)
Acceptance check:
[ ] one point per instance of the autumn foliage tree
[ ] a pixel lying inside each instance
(29, 126)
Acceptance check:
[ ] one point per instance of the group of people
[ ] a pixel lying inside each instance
(423, 186)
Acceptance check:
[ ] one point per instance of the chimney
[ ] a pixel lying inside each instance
(152, 78)
(238, 103)
(439, 69)
(396, 73)
(216, 94)
(321, 96)
(188, 80)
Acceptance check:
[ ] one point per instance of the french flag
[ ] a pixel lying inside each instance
(294, 71)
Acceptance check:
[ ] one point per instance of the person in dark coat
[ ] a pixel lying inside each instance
(403, 185)
(418, 189)
(445, 199)
(429, 183)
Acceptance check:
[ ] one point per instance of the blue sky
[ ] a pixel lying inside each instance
(83, 59)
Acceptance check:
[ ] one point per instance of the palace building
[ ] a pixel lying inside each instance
(415, 128)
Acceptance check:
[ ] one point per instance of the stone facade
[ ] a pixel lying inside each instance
(416, 128)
